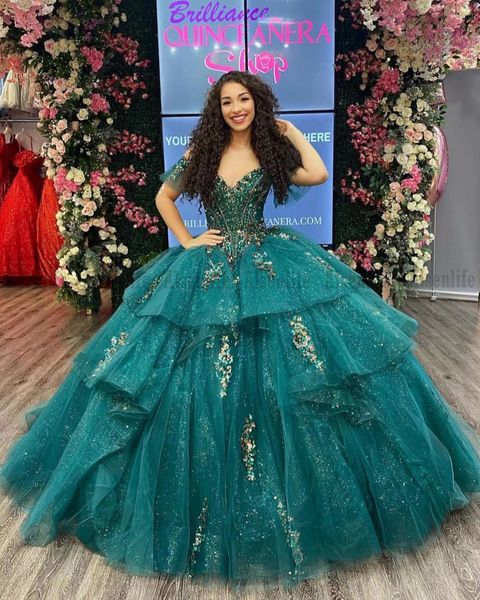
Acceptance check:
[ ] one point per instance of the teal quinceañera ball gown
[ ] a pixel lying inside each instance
(252, 411)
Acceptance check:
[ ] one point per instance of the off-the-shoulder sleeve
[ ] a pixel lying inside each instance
(295, 192)
(173, 176)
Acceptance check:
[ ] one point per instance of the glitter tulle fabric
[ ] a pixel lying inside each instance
(252, 411)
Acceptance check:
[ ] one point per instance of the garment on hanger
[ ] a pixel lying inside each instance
(10, 97)
(8, 170)
(18, 219)
(27, 92)
(49, 240)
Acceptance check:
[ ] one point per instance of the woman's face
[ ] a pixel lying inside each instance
(238, 107)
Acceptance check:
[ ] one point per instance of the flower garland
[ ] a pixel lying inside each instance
(22, 20)
(69, 44)
(410, 47)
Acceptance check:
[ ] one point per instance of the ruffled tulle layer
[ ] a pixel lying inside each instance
(267, 435)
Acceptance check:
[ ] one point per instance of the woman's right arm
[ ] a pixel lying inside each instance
(165, 203)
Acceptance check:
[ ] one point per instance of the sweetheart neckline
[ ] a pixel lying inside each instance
(232, 187)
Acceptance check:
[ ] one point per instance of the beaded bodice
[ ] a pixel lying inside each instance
(237, 211)
(239, 206)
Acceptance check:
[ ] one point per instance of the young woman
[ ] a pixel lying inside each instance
(252, 410)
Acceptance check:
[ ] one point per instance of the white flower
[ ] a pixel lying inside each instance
(127, 263)
(122, 249)
(81, 288)
(107, 260)
(82, 114)
(78, 176)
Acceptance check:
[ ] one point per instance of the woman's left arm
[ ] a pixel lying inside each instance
(313, 170)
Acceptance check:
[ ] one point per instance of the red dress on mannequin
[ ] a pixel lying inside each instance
(48, 238)
(8, 150)
(18, 219)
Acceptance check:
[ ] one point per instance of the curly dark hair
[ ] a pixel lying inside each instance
(277, 156)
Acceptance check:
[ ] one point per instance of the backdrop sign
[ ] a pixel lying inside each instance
(278, 39)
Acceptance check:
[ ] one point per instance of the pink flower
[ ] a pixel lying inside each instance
(49, 46)
(28, 39)
(62, 125)
(94, 57)
(412, 183)
(63, 185)
(95, 177)
(47, 113)
(99, 104)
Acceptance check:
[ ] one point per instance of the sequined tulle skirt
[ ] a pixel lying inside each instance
(256, 421)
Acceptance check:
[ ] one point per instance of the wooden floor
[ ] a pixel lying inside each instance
(38, 339)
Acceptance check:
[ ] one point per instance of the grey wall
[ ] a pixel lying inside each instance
(454, 268)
